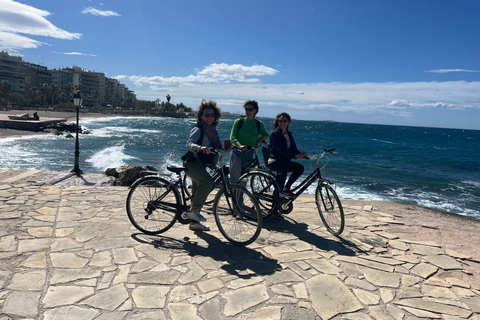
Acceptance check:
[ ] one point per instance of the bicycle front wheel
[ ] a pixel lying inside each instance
(264, 188)
(237, 215)
(330, 208)
(152, 204)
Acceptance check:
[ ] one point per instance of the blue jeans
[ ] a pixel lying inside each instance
(238, 162)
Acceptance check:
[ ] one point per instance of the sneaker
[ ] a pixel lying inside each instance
(287, 194)
(198, 227)
(193, 215)
(238, 215)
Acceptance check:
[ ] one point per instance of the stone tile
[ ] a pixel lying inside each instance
(67, 260)
(387, 295)
(152, 277)
(124, 255)
(382, 279)
(210, 285)
(71, 313)
(65, 295)
(424, 270)
(366, 297)
(28, 281)
(181, 311)
(41, 232)
(33, 245)
(150, 297)
(244, 298)
(108, 299)
(23, 304)
(35, 260)
(331, 297)
(181, 293)
(430, 306)
(438, 292)
(443, 261)
(69, 275)
(422, 313)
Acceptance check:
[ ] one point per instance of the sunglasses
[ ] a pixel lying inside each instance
(209, 115)
(283, 121)
(249, 109)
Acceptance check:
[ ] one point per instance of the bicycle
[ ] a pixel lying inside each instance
(265, 189)
(216, 176)
(156, 201)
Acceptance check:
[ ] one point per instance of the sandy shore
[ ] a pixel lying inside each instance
(70, 116)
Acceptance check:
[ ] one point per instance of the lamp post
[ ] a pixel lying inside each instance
(77, 101)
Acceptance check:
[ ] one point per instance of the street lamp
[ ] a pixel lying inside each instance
(77, 101)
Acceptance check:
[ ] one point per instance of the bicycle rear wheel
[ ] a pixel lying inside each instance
(264, 188)
(152, 204)
(237, 215)
(330, 208)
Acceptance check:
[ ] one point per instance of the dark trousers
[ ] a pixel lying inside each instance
(282, 167)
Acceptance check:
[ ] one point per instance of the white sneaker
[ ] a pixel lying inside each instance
(194, 215)
(198, 227)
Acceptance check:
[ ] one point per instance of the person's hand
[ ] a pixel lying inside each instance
(205, 150)
(301, 155)
(242, 147)
(261, 139)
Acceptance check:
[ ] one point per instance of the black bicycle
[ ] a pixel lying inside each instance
(262, 184)
(155, 202)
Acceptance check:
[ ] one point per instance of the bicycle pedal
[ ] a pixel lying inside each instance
(184, 215)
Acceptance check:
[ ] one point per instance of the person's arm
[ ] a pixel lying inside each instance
(233, 133)
(294, 150)
(264, 133)
(192, 140)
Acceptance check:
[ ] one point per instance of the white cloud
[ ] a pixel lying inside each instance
(213, 74)
(76, 54)
(120, 77)
(101, 13)
(17, 18)
(451, 70)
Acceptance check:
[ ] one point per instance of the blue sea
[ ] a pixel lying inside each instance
(434, 167)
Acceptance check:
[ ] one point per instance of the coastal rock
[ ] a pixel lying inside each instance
(127, 174)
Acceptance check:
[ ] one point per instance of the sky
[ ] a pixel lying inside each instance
(395, 62)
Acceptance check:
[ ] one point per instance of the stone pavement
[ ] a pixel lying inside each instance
(68, 251)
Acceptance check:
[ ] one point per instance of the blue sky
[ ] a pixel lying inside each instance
(396, 62)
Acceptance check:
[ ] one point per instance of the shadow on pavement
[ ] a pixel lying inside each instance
(243, 262)
(340, 245)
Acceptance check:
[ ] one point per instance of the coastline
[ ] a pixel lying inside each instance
(70, 116)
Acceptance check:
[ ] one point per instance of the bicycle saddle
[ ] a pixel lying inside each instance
(176, 169)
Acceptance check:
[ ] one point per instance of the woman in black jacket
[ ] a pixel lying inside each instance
(283, 150)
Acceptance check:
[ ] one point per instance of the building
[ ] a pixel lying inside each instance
(36, 75)
(12, 69)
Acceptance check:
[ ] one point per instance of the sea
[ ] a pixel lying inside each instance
(433, 167)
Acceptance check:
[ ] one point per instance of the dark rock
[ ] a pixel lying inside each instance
(127, 174)
(69, 135)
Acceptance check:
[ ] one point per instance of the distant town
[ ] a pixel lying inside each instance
(25, 85)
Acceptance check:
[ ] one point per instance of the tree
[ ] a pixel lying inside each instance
(53, 91)
(18, 99)
(5, 88)
(34, 95)
(44, 89)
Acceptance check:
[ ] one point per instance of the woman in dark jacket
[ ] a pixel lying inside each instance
(283, 150)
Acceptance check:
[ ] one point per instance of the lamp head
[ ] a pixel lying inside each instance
(77, 99)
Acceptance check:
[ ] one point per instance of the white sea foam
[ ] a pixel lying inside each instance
(111, 157)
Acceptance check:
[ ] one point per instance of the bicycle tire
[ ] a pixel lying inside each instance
(187, 185)
(228, 203)
(264, 188)
(145, 213)
(330, 208)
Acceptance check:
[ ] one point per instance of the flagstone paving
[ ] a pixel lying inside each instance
(69, 252)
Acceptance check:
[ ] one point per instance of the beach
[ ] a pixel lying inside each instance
(70, 116)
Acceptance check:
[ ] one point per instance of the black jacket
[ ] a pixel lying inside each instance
(279, 146)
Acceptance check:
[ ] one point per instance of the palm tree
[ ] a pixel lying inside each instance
(33, 92)
(44, 89)
(53, 91)
(67, 92)
(5, 87)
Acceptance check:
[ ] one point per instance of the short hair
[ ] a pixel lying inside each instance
(282, 114)
(208, 104)
(252, 103)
